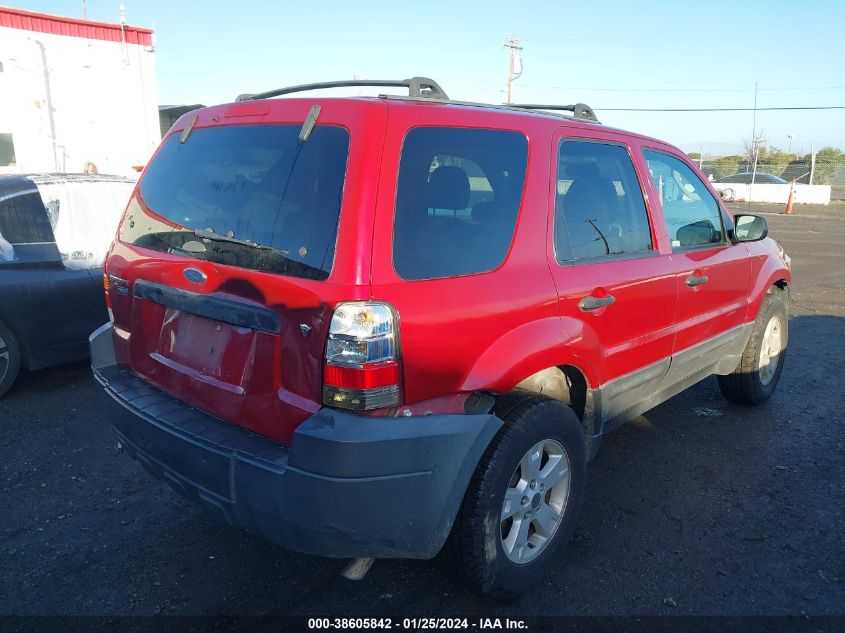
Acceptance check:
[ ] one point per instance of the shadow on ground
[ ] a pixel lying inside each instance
(699, 507)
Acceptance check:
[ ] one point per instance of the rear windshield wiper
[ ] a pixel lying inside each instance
(217, 237)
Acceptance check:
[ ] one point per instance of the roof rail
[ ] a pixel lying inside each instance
(579, 110)
(418, 87)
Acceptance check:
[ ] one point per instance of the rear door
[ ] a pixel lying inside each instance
(712, 275)
(616, 288)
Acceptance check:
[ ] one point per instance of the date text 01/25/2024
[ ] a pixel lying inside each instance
(417, 624)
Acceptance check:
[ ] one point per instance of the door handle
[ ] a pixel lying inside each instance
(696, 280)
(594, 303)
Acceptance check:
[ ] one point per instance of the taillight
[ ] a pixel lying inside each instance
(362, 368)
(108, 295)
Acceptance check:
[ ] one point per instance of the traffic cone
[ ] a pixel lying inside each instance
(789, 201)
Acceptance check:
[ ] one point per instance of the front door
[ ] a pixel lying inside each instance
(712, 275)
(616, 288)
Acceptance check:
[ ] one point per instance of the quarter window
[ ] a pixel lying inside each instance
(599, 209)
(691, 212)
(457, 200)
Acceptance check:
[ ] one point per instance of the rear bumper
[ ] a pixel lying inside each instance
(346, 486)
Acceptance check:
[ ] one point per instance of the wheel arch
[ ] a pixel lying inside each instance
(22, 339)
(767, 281)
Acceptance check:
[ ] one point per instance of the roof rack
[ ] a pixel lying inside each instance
(418, 87)
(579, 110)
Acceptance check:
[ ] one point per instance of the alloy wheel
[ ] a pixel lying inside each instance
(770, 349)
(535, 501)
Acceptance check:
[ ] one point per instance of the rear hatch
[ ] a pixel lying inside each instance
(218, 280)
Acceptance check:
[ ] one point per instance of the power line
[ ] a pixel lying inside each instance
(837, 107)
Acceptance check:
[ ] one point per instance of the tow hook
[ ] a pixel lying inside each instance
(358, 568)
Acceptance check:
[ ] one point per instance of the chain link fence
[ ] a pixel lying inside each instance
(824, 172)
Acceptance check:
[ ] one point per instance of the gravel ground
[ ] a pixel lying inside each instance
(698, 507)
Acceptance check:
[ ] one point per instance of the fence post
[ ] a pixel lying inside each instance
(812, 163)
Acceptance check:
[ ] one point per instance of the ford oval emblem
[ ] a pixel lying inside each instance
(194, 275)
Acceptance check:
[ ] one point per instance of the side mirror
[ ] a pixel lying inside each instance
(750, 228)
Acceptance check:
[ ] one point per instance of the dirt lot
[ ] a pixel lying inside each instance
(698, 507)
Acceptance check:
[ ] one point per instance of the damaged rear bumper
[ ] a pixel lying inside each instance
(347, 486)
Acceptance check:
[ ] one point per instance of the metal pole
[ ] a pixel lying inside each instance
(754, 147)
(49, 100)
(812, 163)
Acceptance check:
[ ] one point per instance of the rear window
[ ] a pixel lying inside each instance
(457, 200)
(251, 196)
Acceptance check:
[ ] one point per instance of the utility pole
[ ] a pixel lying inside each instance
(755, 146)
(84, 9)
(514, 63)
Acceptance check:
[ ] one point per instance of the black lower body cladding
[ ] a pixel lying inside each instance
(347, 486)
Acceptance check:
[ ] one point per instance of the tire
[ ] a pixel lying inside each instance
(484, 549)
(10, 358)
(756, 377)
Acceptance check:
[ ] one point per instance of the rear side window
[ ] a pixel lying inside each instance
(24, 219)
(692, 214)
(599, 210)
(25, 231)
(251, 196)
(457, 200)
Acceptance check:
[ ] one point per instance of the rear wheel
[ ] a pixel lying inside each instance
(10, 358)
(523, 501)
(756, 377)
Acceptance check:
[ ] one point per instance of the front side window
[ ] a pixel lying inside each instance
(251, 196)
(691, 212)
(599, 209)
(457, 200)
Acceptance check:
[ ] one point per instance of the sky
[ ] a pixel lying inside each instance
(606, 53)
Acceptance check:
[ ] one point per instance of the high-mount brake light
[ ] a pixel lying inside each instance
(362, 369)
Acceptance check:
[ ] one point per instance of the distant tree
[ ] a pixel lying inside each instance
(752, 145)
(828, 159)
(725, 166)
(694, 155)
(773, 160)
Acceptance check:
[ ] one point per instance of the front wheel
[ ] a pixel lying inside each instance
(757, 375)
(523, 501)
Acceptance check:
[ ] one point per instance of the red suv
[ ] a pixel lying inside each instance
(372, 327)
